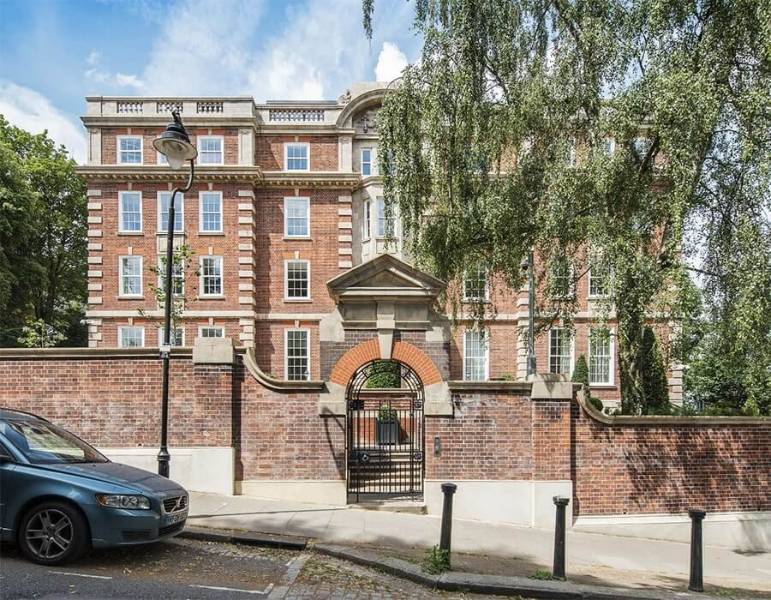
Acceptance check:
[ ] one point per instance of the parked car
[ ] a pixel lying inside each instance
(59, 497)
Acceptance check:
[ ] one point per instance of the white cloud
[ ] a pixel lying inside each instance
(32, 111)
(203, 48)
(390, 63)
(96, 73)
(214, 47)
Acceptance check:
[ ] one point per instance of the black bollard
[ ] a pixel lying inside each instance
(448, 489)
(696, 582)
(558, 569)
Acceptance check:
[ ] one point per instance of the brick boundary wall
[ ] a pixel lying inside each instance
(621, 465)
(638, 465)
(114, 399)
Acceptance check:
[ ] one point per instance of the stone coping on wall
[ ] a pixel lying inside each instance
(272, 383)
(491, 385)
(89, 353)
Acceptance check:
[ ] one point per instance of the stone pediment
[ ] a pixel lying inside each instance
(385, 293)
(385, 277)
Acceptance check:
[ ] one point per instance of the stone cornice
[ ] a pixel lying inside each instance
(160, 121)
(249, 174)
(329, 179)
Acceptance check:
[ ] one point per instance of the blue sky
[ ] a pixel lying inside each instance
(53, 53)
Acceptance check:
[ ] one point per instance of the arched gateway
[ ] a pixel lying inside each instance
(385, 432)
(389, 371)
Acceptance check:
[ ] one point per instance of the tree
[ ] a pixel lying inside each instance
(42, 241)
(581, 375)
(654, 376)
(631, 128)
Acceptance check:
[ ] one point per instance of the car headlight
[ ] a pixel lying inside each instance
(123, 501)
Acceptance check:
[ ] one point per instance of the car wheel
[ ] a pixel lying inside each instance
(53, 533)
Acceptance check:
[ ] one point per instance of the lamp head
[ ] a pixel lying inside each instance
(174, 143)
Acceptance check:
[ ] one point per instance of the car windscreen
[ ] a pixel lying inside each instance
(45, 443)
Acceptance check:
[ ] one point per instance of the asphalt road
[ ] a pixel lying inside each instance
(188, 569)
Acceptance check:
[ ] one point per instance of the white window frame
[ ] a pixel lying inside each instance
(201, 287)
(120, 213)
(200, 139)
(120, 335)
(589, 293)
(200, 213)
(486, 357)
(370, 162)
(612, 364)
(572, 336)
(180, 210)
(218, 327)
(366, 233)
(307, 350)
(160, 337)
(286, 156)
(287, 200)
(288, 298)
(380, 200)
(141, 276)
(118, 160)
(486, 296)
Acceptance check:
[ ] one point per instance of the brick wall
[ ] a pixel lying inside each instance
(117, 401)
(272, 249)
(669, 468)
(269, 151)
(282, 436)
(494, 435)
(489, 438)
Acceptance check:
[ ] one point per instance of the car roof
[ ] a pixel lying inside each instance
(19, 415)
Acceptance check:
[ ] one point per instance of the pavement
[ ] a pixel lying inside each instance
(489, 548)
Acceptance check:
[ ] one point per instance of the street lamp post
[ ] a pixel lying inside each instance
(174, 143)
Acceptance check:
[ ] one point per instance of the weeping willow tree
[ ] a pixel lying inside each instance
(603, 128)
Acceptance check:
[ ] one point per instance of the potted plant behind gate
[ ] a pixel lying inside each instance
(387, 426)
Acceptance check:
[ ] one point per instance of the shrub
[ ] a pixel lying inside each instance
(385, 374)
(436, 561)
(596, 403)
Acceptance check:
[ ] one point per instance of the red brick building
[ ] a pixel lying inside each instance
(286, 201)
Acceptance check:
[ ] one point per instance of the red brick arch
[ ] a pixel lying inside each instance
(404, 352)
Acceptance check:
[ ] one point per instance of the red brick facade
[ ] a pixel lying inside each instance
(254, 181)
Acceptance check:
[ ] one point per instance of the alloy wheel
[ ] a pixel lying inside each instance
(49, 533)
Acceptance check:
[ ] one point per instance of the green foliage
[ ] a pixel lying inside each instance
(581, 372)
(543, 575)
(476, 136)
(38, 334)
(654, 372)
(596, 403)
(436, 561)
(581, 375)
(180, 260)
(386, 414)
(385, 374)
(42, 242)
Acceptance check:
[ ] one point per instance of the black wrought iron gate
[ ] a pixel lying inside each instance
(385, 436)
